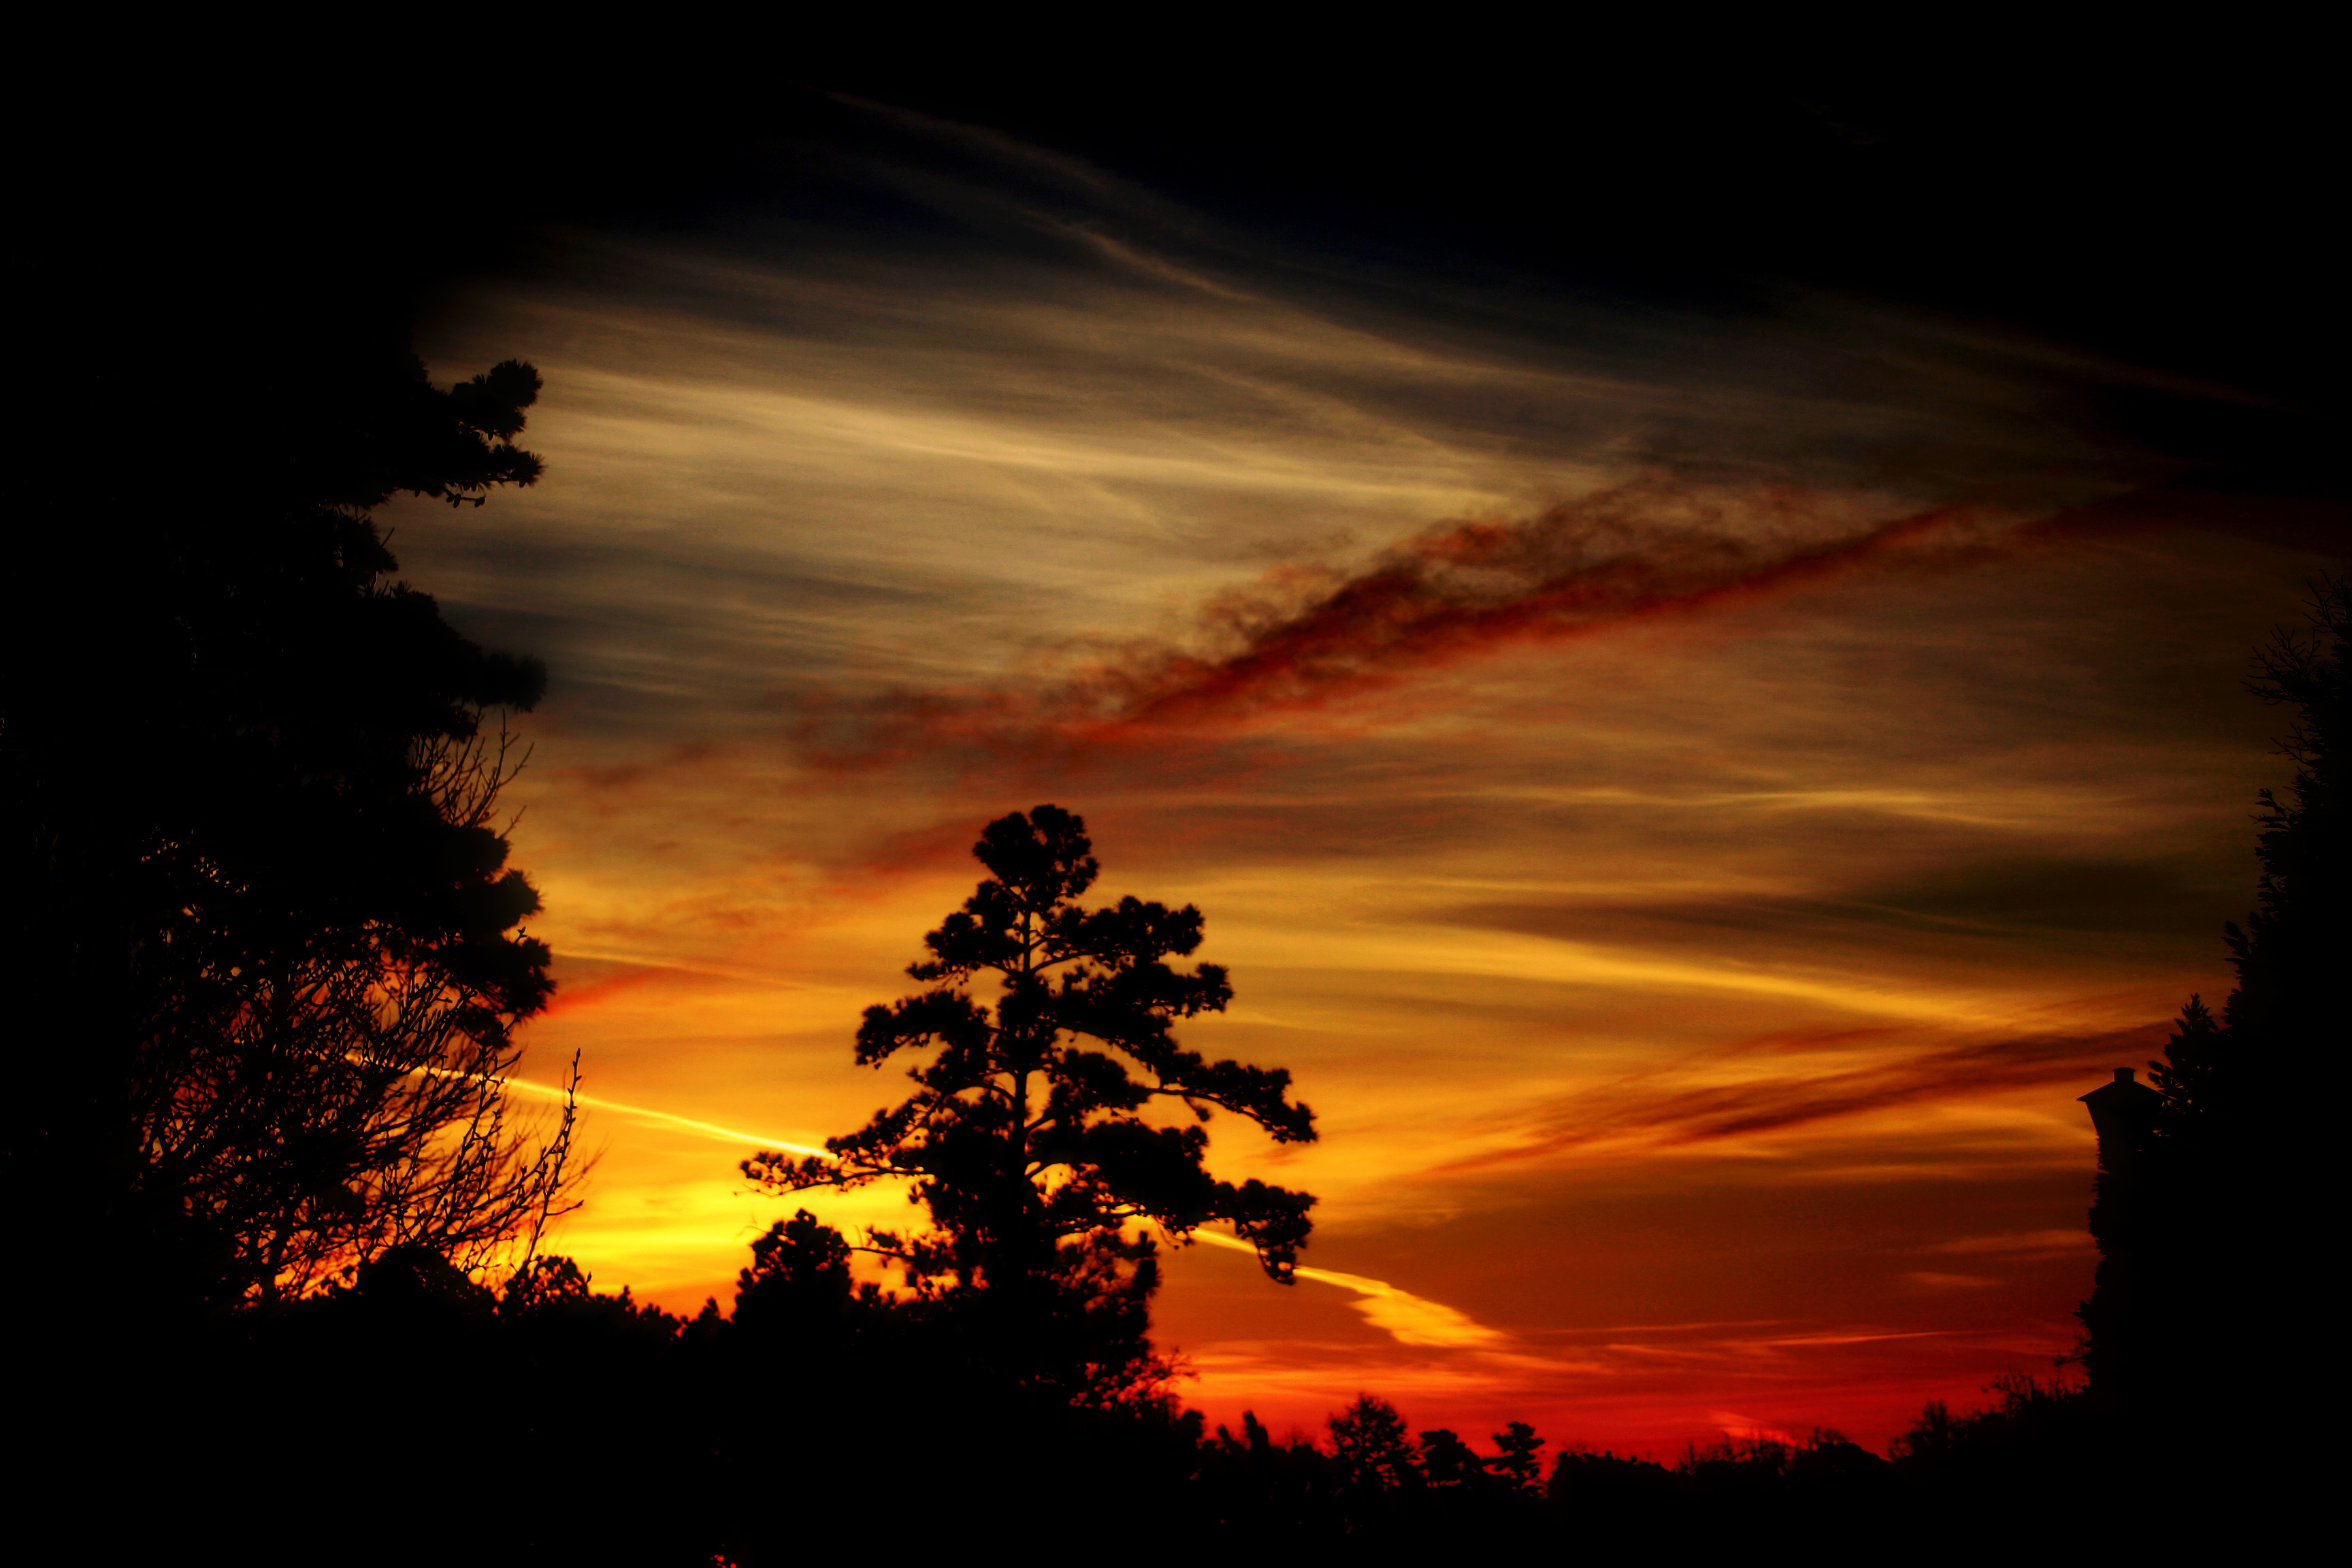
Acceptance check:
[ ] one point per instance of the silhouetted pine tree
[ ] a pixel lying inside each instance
(1026, 1143)
(1369, 1439)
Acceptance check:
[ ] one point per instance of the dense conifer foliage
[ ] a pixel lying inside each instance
(260, 912)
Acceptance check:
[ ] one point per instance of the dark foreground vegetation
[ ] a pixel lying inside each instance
(421, 1417)
(268, 961)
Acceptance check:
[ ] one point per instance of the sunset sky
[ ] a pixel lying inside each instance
(1693, 775)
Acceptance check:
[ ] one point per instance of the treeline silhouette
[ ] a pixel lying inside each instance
(280, 1260)
(421, 1416)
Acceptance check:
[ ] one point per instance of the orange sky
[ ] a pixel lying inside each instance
(1692, 802)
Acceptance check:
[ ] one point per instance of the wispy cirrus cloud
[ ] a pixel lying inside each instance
(2047, 1242)
(1667, 1110)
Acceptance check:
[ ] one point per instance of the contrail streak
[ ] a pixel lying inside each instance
(1408, 1319)
(666, 1119)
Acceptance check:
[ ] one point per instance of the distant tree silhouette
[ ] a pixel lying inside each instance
(1369, 1440)
(1447, 1461)
(799, 1278)
(1518, 1459)
(260, 915)
(1585, 1483)
(1026, 1143)
(2213, 1187)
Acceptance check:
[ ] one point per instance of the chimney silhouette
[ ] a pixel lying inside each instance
(2119, 1351)
(2123, 1113)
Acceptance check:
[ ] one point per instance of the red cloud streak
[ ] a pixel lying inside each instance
(1462, 588)
(1299, 639)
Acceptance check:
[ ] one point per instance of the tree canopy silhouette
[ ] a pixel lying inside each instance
(1517, 1460)
(1025, 1136)
(1369, 1439)
(2212, 1184)
(272, 948)
(2290, 1006)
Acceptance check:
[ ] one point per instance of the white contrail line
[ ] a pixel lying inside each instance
(1408, 1319)
(665, 1117)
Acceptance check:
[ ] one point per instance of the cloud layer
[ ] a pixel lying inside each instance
(1689, 797)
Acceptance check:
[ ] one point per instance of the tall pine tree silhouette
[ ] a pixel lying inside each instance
(1024, 1138)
